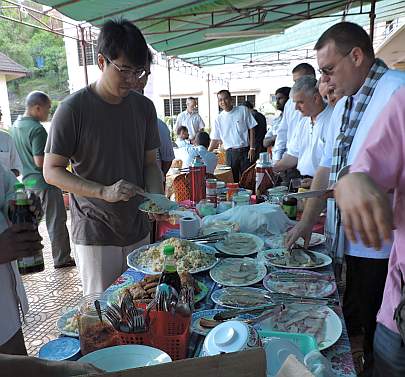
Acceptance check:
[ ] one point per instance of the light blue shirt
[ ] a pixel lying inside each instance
(210, 159)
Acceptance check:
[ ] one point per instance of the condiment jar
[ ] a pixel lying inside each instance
(275, 195)
(241, 199)
(94, 334)
(232, 188)
(211, 190)
(290, 207)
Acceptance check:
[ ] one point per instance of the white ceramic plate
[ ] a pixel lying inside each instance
(145, 207)
(266, 256)
(316, 239)
(324, 286)
(61, 323)
(255, 244)
(208, 314)
(237, 292)
(215, 273)
(332, 327)
(217, 226)
(129, 356)
(132, 260)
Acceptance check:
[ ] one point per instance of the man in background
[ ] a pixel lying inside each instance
(30, 138)
(8, 153)
(307, 144)
(291, 117)
(260, 129)
(190, 119)
(282, 96)
(234, 127)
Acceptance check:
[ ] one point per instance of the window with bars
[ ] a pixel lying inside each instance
(179, 105)
(91, 53)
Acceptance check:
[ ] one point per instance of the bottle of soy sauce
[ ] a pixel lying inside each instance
(23, 215)
(170, 275)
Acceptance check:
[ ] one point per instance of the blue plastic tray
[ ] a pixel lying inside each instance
(306, 343)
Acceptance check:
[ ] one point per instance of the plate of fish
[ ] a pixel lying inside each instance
(295, 258)
(202, 322)
(300, 283)
(317, 320)
(240, 244)
(240, 297)
(316, 239)
(238, 272)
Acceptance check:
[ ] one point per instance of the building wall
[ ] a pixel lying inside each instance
(4, 104)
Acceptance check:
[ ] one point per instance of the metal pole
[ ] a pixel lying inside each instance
(170, 95)
(209, 101)
(83, 46)
(372, 20)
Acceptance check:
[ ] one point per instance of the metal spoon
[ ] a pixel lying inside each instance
(98, 309)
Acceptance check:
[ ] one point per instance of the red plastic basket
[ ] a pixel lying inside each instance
(168, 332)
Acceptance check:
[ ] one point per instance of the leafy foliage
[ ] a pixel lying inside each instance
(28, 46)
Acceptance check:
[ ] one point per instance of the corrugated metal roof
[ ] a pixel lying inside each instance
(181, 26)
(8, 65)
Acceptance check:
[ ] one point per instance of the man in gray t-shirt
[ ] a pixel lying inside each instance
(109, 135)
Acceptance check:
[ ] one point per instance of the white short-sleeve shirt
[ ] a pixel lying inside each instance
(285, 130)
(386, 86)
(9, 157)
(192, 121)
(308, 141)
(232, 127)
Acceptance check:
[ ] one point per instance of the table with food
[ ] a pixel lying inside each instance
(234, 290)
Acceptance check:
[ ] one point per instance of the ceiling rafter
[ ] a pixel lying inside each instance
(320, 9)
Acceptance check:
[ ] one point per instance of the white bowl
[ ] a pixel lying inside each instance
(230, 336)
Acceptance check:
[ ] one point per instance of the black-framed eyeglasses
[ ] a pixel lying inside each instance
(137, 73)
(328, 70)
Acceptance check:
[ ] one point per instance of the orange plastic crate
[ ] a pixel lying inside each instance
(168, 332)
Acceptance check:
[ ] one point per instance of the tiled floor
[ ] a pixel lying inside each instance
(50, 293)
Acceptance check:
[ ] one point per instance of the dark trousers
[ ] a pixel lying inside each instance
(365, 280)
(238, 160)
(389, 353)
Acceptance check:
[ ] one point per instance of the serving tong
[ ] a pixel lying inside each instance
(209, 238)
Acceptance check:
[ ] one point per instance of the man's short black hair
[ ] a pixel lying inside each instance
(248, 104)
(202, 138)
(37, 98)
(305, 68)
(180, 129)
(150, 56)
(346, 36)
(284, 90)
(224, 91)
(120, 37)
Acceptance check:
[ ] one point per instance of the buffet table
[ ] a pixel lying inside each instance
(338, 354)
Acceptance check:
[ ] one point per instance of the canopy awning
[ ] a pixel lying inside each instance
(179, 27)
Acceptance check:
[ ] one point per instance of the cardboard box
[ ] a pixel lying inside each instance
(250, 363)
